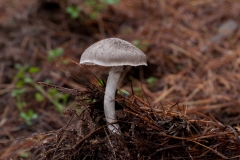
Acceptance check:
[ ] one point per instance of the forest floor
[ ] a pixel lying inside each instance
(192, 76)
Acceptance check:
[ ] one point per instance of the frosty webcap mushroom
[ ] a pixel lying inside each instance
(114, 53)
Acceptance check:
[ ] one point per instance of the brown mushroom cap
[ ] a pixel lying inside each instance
(113, 52)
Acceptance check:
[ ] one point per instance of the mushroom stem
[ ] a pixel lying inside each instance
(109, 99)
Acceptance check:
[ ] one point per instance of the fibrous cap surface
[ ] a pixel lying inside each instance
(113, 52)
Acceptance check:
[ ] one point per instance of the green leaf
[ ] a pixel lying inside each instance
(123, 92)
(151, 80)
(18, 66)
(73, 11)
(137, 89)
(52, 91)
(136, 42)
(90, 2)
(59, 107)
(94, 15)
(21, 71)
(143, 45)
(101, 82)
(24, 154)
(64, 98)
(17, 92)
(33, 70)
(21, 104)
(28, 80)
(26, 119)
(48, 81)
(65, 61)
(39, 97)
(110, 2)
(32, 114)
(28, 116)
(60, 99)
(54, 53)
(69, 9)
(20, 83)
(99, 7)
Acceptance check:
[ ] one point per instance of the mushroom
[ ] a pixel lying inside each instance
(114, 53)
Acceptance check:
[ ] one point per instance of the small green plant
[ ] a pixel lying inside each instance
(110, 2)
(97, 6)
(39, 97)
(23, 79)
(123, 92)
(101, 82)
(23, 154)
(28, 116)
(73, 11)
(151, 81)
(60, 98)
(54, 53)
(137, 91)
(17, 93)
(143, 45)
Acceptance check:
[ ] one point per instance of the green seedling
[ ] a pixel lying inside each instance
(142, 45)
(90, 3)
(73, 11)
(110, 2)
(23, 154)
(137, 91)
(123, 92)
(65, 61)
(54, 53)
(89, 101)
(17, 93)
(39, 97)
(97, 6)
(58, 97)
(23, 80)
(28, 116)
(101, 82)
(151, 81)
(33, 70)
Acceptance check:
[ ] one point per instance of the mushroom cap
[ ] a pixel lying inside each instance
(113, 52)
